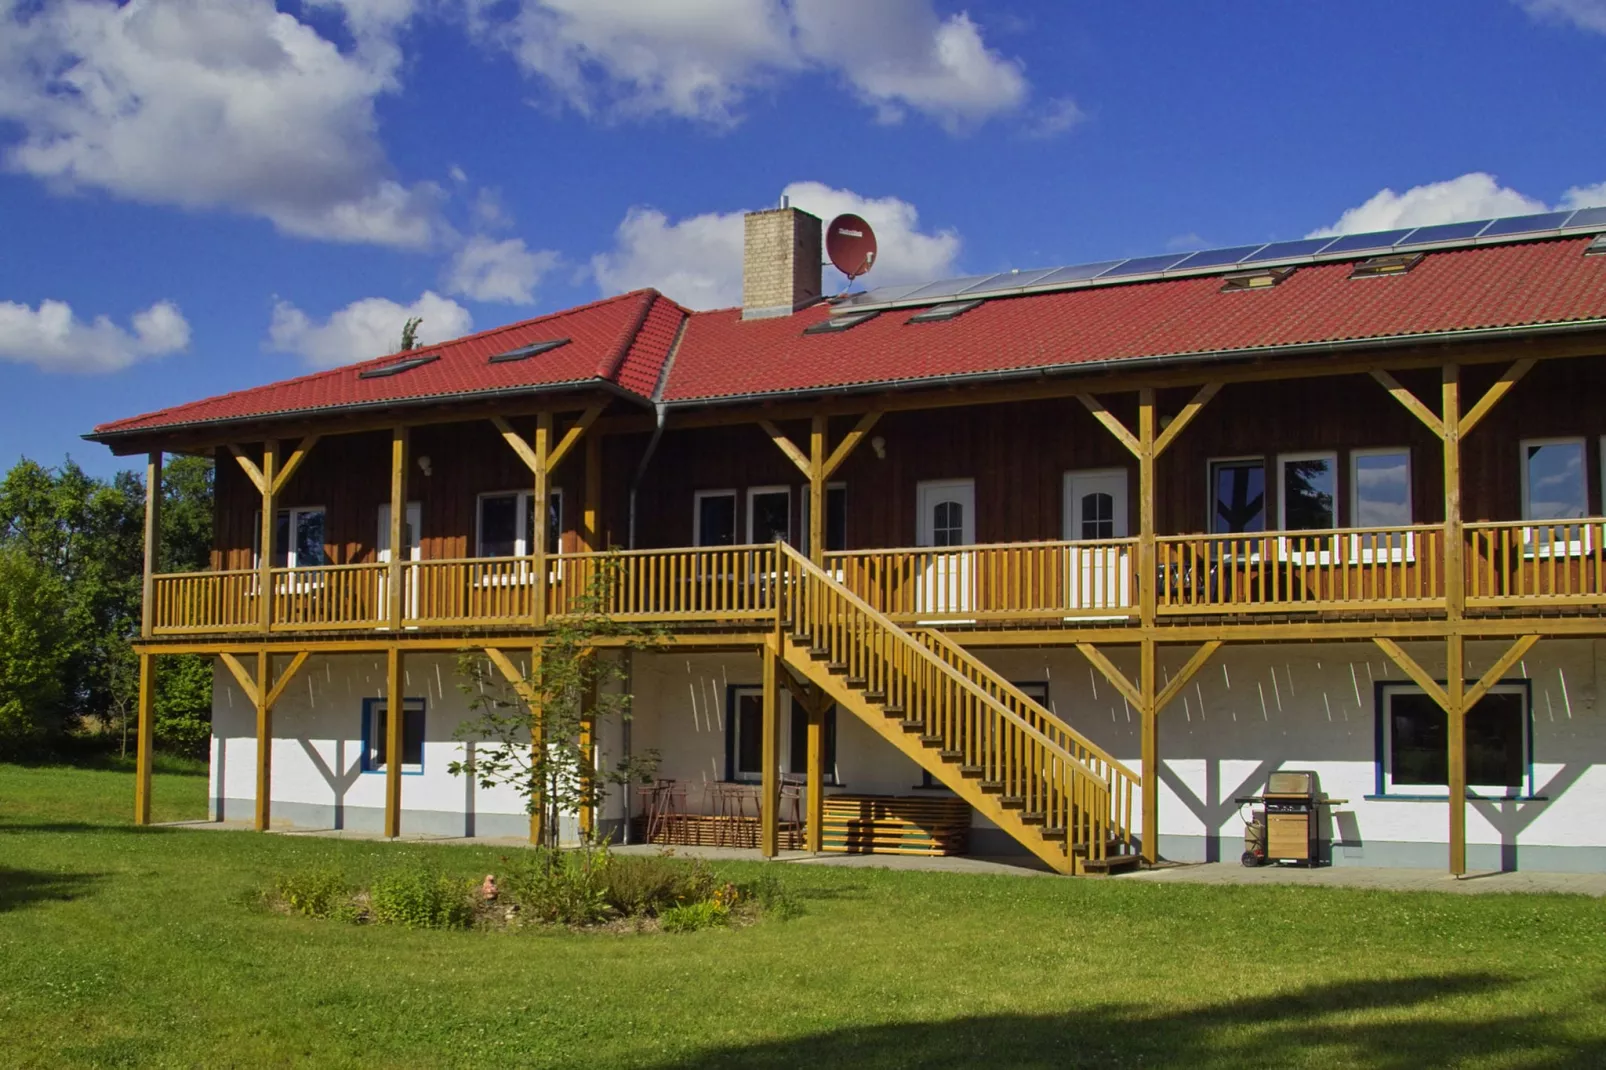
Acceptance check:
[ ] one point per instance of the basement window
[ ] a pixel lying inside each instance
(1393, 264)
(1255, 280)
(375, 729)
(841, 323)
(942, 313)
(526, 352)
(398, 367)
(1414, 735)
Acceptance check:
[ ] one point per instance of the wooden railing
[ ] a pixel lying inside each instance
(971, 728)
(1121, 780)
(323, 597)
(997, 582)
(1372, 569)
(704, 584)
(487, 590)
(1556, 562)
(192, 603)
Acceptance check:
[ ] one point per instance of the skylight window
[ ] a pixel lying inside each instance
(405, 365)
(1596, 247)
(942, 313)
(841, 323)
(526, 352)
(1393, 264)
(1264, 279)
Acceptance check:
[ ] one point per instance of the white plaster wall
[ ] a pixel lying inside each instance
(1254, 709)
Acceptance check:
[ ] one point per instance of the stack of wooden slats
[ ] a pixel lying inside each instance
(895, 824)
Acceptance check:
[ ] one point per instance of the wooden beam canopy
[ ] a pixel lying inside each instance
(531, 696)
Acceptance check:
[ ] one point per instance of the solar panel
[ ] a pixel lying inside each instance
(1218, 257)
(1286, 250)
(526, 352)
(1354, 243)
(1588, 217)
(1525, 224)
(1145, 265)
(1010, 280)
(1443, 232)
(1225, 260)
(405, 365)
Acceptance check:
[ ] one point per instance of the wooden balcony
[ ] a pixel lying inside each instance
(1378, 572)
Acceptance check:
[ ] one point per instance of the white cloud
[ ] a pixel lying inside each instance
(52, 338)
(1055, 118)
(364, 329)
(698, 261)
(489, 270)
(1585, 14)
(1475, 195)
(1584, 196)
(700, 59)
(213, 104)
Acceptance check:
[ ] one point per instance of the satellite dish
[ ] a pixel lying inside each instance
(850, 243)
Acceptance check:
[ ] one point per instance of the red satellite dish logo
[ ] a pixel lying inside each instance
(850, 243)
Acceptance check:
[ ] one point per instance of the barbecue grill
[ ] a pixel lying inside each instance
(1285, 829)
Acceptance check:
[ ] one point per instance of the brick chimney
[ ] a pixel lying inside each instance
(781, 253)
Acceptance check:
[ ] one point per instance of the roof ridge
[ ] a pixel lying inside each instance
(609, 365)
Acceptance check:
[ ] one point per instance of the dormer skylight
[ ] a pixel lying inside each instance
(1596, 247)
(942, 313)
(842, 322)
(526, 352)
(1264, 279)
(1393, 264)
(406, 364)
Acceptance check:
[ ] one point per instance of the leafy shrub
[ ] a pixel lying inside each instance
(554, 886)
(418, 899)
(639, 886)
(770, 896)
(693, 916)
(317, 893)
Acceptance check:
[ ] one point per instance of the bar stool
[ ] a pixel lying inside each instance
(672, 812)
(649, 795)
(791, 801)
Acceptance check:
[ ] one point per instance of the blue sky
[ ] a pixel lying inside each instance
(203, 195)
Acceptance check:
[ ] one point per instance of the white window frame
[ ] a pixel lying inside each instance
(1211, 534)
(697, 511)
(791, 708)
(1322, 556)
(1569, 547)
(521, 519)
(753, 492)
(294, 511)
(1403, 552)
(1488, 791)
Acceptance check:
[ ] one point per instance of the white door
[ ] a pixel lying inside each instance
(947, 517)
(1099, 577)
(410, 537)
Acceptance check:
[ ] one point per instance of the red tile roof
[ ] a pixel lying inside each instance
(625, 337)
(1456, 290)
(626, 341)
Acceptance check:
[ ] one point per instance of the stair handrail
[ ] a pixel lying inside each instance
(1064, 786)
(1021, 699)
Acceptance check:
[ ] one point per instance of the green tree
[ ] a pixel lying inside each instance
(577, 688)
(32, 653)
(409, 338)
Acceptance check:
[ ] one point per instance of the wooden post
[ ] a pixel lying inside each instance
(1151, 751)
(538, 503)
(588, 742)
(270, 465)
(816, 772)
(397, 610)
(591, 515)
(1455, 709)
(818, 427)
(537, 750)
(264, 740)
(144, 740)
(1454, 541)
(1146, 512)
(153, 539)
(395, 717)
(769, 838)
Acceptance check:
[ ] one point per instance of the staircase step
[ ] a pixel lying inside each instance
(950, 755)
(877, 697)
(931, 741)
(893, 710)
(1036, 818)
(1111, 864)
(819, 653)
(856, 682)
(836, 668)
(971, 771)
(800, 638)
(1053, 833)
(991, 787)
(912, 726)
(1012, 802)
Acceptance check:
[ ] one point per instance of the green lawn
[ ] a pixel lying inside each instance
(124, 947)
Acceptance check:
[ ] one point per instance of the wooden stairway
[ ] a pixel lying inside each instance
(1051, 789)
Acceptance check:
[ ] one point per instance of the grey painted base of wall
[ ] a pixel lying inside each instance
(315, 816)
(1481, 857)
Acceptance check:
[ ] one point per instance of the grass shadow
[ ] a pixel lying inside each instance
(24, 887)
(1393, 1024)
(14, 827)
